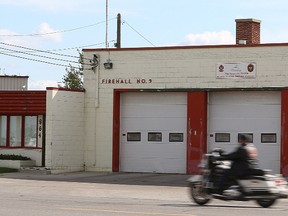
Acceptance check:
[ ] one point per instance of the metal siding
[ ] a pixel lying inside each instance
(22, 102)
(11, 83)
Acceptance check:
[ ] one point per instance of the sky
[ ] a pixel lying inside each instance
(62, 26)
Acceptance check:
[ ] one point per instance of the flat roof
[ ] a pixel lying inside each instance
(186, 47)
(13, 76)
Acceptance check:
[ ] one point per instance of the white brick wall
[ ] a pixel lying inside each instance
(168, 69)
(65, 130)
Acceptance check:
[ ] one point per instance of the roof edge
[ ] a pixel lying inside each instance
(186, 47)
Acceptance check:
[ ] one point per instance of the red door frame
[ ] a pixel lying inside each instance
(196, 121)
(196, 129)
(284, 133)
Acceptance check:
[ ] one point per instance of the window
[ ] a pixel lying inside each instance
(3, 130)
(268, 138)
(248, 135)
(155, 137)
(222, 137)
(176, 137)
(15, 131)
(21, 131)
(133, 136)
(30, 131)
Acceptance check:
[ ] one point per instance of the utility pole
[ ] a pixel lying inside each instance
(118, 43)
(106, 40)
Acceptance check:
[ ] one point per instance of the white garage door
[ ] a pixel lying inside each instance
(153, 132)
(257, 114)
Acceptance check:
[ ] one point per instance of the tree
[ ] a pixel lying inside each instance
(73, 77)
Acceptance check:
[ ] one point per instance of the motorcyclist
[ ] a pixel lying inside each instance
(243, 162)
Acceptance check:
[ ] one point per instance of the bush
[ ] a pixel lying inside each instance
(7, 170)
(13, 157)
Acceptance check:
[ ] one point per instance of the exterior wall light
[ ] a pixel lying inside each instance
(108, 65)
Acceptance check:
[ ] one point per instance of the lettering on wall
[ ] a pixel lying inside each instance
(126, 81)
(40, 130)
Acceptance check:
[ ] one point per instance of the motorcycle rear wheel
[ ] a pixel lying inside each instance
(266, 203)
(199, 194)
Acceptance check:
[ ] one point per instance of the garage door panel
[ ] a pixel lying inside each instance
(153, 112)
(242, 97)
(247, 112)
(236, 124)
(155, 124)
(241, 111)
(132, 111)
(153, 98)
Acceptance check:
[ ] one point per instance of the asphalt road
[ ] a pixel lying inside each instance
(84, 194)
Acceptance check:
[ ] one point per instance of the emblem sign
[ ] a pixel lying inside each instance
(236, 70)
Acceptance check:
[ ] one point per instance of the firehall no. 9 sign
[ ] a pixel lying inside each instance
(126, 81)
(236, 70)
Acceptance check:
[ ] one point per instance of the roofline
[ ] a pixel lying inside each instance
(13, 76)
(186, 47)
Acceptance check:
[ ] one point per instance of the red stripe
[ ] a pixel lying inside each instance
(116, 132)
(284, 132)
(22, 102)
(196, 130)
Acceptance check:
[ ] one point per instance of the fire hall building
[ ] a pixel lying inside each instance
(160, 109)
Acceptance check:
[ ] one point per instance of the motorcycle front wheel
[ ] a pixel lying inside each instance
(199, 194)
(265, 203)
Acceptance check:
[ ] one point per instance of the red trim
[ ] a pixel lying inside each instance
(65, 89)
(22, 102)
(116, 132)
(284, 133)
(196, 130)
(187, 47)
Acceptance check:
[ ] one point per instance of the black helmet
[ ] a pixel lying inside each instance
(243, 138)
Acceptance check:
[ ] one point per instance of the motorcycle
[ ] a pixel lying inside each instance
(265, 189)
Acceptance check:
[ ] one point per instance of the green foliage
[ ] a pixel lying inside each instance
(13, 157)
(7, 170)
(73, 77)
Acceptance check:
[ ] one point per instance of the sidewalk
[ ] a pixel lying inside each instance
(177, 180)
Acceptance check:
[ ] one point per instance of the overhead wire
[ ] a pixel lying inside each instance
(56, 32)
(64, 49)
(41, 56)
(38, 50)
(37, 60)
(125, 22)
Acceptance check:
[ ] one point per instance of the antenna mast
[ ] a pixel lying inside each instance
(107, 44)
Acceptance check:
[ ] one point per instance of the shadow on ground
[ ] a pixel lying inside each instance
(176, 180)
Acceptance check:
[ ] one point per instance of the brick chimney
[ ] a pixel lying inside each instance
(247, 31)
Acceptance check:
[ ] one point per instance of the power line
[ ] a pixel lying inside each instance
(38, 50)
(62, 49)
(125, 22)
(36, 60)
(41, 56)
(55, 32)
(46, 62)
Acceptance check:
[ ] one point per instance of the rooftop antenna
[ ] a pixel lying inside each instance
(107, 44)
